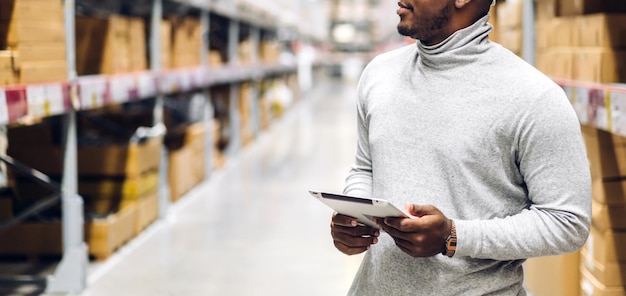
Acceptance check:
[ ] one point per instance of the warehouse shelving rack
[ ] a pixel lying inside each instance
(602, 106)
(89, 92)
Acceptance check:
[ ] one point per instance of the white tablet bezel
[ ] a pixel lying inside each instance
(358, 207)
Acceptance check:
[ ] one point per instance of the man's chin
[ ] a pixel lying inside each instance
(404, 31)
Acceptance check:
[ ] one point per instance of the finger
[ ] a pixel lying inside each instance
(354, 241)
(421, 210)
(343, 220)
(404, 224)
(349, 250)
(356, 231)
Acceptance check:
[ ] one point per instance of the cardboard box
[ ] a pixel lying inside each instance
(130, 160)
(546, 9)
(32, 31)
(605, 217)
(590, 286)
(609, 192)
(556, 62)
(35, 51)
(103, 45)
(103, 236)
(600, 65)
(31, 10)
(606, 153)
(611, 274)
(186, 42)
(166, 48)
(137, 45)
(43, 71)
(9, 67)
(553, 275)
(602, 30)
(147, 211)
(580, 7)
(606, 247)
(510, 14)
(187, 162)
(512, 39)
(130, 188)
(563, 32)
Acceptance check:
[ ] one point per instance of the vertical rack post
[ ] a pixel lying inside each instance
(255, 37)
(205, 23)
(233, 61)
(155, 67)
(529, 31)
(71, 274)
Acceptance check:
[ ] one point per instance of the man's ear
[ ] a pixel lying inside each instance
(461, 3)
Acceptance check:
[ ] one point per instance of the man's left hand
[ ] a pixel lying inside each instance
(424, 235)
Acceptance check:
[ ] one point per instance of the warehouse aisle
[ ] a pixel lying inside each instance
(252, 229)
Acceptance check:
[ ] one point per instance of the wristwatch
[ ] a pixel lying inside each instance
(450, 246)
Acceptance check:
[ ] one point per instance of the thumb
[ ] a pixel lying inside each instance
(419, 210)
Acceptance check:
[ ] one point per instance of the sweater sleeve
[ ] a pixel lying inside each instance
(551, 157)
(359, 180)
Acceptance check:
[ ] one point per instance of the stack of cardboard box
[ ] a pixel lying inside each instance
(117, 178)
(110, 45)
(582, 40)
(603, 261)
(186, 42)
(32, 33)
(509, 25)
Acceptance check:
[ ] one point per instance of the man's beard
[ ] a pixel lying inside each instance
(423, 28)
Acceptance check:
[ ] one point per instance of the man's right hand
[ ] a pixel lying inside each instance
(351, 237)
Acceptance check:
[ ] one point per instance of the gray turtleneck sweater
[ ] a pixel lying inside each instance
(472, 129)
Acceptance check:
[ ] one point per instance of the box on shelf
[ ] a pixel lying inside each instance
(580, 7)
(186, 145)
(510, 14)
(103, 236)
(215, 59)
(41, 51)
(9, 67)
(606, 217)
(270, 52)
(166, 49)
(137, 44)
(43, 71)
(601, 30)
(31, 31)
(590, 286)
(186, 42)
(546, 9)
(556, 62)
(35, 31)
(111, 45)
(611, 274)
(606, 153)
(147, 211)
(563, 270)
(605, 247)
(512, 39)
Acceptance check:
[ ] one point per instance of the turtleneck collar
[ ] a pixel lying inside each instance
(462, 47)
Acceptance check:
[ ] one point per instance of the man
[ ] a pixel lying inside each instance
(484, 151)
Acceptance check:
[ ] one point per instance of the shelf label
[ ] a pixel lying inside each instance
(618, 112)
(147, 85)
(92, 92)
(45, 100)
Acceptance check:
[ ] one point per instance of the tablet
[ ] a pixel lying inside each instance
(364, 209)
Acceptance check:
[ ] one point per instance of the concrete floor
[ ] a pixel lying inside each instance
(252, 228)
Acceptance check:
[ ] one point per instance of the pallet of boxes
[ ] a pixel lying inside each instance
(117, 179)
(32, 42)
(583, 41)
